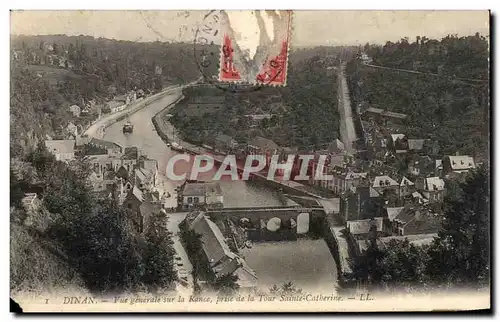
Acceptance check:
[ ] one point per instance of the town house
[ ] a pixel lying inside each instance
(458, 164)
(98, 146)
(63, 150)
(384, 184)
(360, 202)
(221, 260)
(432, 188)
(201, 195)
(385, 117)
(360, 231)
(413, 221)
(406, 187)
(345, 178)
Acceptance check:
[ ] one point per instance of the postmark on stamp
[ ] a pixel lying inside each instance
(244, 50)
(255, 46)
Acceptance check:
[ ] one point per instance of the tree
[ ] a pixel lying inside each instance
(193, 243)
(159, 254)
(226, 284)
(460, 256)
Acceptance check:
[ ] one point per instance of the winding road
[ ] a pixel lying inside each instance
(347, 132)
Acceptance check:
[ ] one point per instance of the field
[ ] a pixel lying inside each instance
(306, 263)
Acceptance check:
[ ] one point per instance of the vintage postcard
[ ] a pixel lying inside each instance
(249, 161)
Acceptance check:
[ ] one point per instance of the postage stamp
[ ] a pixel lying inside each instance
(255, 46)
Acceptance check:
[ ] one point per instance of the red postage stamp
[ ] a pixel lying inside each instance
(255, 46)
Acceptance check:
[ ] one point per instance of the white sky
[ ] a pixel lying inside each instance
(319, 27)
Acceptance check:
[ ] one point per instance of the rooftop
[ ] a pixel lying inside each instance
(194, 189)
(461, 162)
(393, 212)
(406, 182)
(384, 181)
(263, 143)
(60, 146)
(386, 113)
(358, 227)
(104, 144)
(434, 183)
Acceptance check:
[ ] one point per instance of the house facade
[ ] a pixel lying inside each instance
(220, 259)
(63, 150)
(201, 196)
(431, 188)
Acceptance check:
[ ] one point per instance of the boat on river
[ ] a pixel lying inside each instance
(128, 128)
(176, 147)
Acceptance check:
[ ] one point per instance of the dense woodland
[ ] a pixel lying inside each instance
(450, 107)
(305, 111)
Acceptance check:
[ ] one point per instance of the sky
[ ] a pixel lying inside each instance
(310, 28)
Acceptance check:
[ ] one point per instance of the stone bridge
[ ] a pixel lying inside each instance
(257, 216)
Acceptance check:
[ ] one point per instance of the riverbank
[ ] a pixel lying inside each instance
(97, 129)
(160, 123)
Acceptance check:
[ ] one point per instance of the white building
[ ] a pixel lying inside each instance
(198, 195)
(63, 150)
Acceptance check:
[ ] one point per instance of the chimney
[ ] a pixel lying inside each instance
(457, 153)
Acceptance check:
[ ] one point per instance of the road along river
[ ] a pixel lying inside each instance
(144, 136)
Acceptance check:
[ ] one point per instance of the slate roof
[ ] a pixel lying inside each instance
(138, 194)
(384, 181)
(213, 242)
(406, 182)
(221, 259)
(396, 136)
(434, 184)
(461, 162)
(263, 143)
(385, 113)
(194, 189)
(394, 212)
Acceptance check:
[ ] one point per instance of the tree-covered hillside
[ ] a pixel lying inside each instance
(50, 73)
(447, 103)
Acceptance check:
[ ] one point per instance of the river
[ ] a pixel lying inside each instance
(236, 193)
